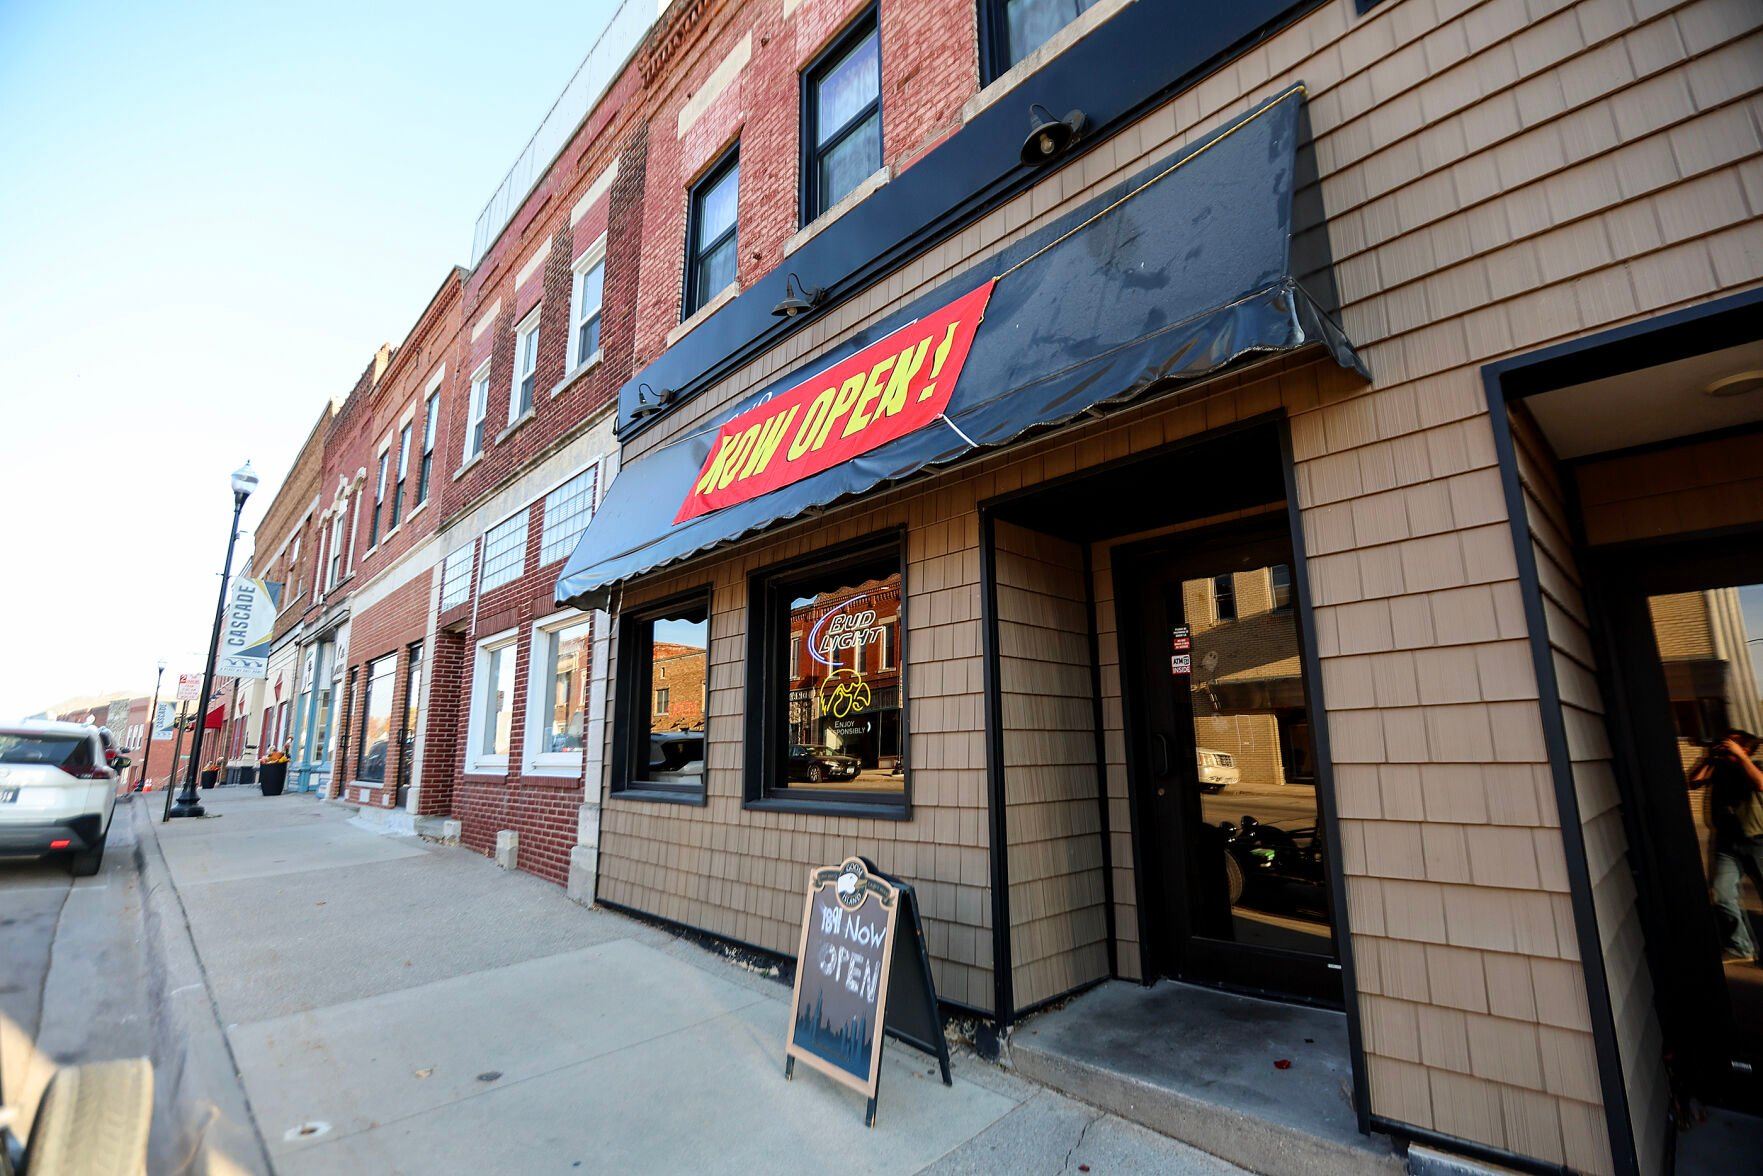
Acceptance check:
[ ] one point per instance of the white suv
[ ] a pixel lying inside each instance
(57, 792)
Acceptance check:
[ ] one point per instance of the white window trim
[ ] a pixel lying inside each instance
(593, 506)
(475, 762)
(595, 255)
(525, 513)
(474, 412)
(525, 327)
(563, 764)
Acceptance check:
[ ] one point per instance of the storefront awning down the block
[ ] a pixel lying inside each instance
(1203, 260)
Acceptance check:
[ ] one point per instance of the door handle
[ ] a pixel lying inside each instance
(1164, 763)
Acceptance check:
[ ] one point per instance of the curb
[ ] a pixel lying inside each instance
(203, 1122)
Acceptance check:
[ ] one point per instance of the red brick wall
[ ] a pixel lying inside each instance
(388, 627)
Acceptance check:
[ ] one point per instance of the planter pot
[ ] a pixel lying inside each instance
(208, 777)
(271, 778)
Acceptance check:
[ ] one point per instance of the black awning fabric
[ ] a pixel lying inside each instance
(1173, 275)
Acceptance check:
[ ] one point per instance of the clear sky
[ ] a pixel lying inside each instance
(211, 214)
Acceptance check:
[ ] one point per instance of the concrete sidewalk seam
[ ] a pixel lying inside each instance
(171, 939)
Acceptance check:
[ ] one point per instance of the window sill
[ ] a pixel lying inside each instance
(514, 424)
(473, 460)
(845, 204)
(717, 301)
(553, 771)
(420, 507)
(580, 370)
(491, 766)
(831, 808)
(661, 796)
(1086, 23)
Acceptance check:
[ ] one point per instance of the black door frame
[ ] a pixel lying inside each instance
(1004, 1010)
(1647, 343)
(1166, 935)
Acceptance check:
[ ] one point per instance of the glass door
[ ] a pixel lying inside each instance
(1225, 771)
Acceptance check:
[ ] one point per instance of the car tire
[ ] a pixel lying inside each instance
(1233, 877)
(813, 773)
(93, 1118)
(84, 863)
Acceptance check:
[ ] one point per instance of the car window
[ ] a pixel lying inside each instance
(55, 750)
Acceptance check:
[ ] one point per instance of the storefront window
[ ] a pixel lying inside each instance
(661, 697)
(566, 687)
(497, 685)
(376, 720)
(412, 714)
(827, 692)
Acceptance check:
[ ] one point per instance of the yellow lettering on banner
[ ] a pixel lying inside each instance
(804, 439)
(905, 368)
(936, 364)
(848, 394)
(750, 435)
(872, 388)
(771, 434)
(708, 481)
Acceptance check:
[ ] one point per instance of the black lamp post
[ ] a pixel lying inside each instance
(244, 481)
(146, 748)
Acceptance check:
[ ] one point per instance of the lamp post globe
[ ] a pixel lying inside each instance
(243, 482)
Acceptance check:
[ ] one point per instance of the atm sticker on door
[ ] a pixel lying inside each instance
(1181, 663)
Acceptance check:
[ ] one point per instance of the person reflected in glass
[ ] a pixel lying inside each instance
(1735, 817)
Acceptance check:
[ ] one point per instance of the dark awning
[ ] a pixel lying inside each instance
(1191, 265)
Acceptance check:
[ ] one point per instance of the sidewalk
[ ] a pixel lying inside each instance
(393, 1005)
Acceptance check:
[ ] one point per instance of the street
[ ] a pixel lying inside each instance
(337, 1000)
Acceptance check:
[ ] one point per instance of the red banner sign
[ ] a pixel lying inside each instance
(889, 389)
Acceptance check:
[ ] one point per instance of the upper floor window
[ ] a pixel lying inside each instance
(526, 367)
(431, 420)
(403, 474)
(504, 553)
(711, 239)
(1224, 598)
(379, 498)
(337, 538)
(477, 410)
(1016, 28)
(456, 577)
(295, 571)
(841, 133)
(584, 307)
(567, 511)
(1279, 583)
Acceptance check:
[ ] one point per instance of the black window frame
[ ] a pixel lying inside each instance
(866, 24)
(994, 40)
(766, 744)
(694, 299)
(1230, 580)
(634, 686)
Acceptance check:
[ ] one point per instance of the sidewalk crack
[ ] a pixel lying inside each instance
(1081, 1136)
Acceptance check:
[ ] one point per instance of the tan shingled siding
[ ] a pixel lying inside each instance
(1693, 487)
(1614, 899)
(1058, 920)
(1498, 176)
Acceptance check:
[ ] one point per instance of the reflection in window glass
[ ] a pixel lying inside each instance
(498, 688)
(846, 111)
(714, 236)
(839, 702)
(1235, 656)
(1028, 24)
(662, 682)
(566, 687)
(376, 720)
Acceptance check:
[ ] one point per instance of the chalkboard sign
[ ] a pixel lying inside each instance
(862, 974)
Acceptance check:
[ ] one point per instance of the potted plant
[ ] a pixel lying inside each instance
(272, 773)
(210, 773)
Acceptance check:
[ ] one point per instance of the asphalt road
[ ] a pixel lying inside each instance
(73, 967)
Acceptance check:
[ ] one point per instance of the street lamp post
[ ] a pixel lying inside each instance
(147, 738)
(244, 481)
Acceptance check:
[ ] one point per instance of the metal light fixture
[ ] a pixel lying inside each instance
(801, 300)
(1048, 137)
(649, 402)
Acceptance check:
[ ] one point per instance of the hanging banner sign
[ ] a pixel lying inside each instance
(891, 388)
(163, 721)
(247, 628)
(862, 973)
